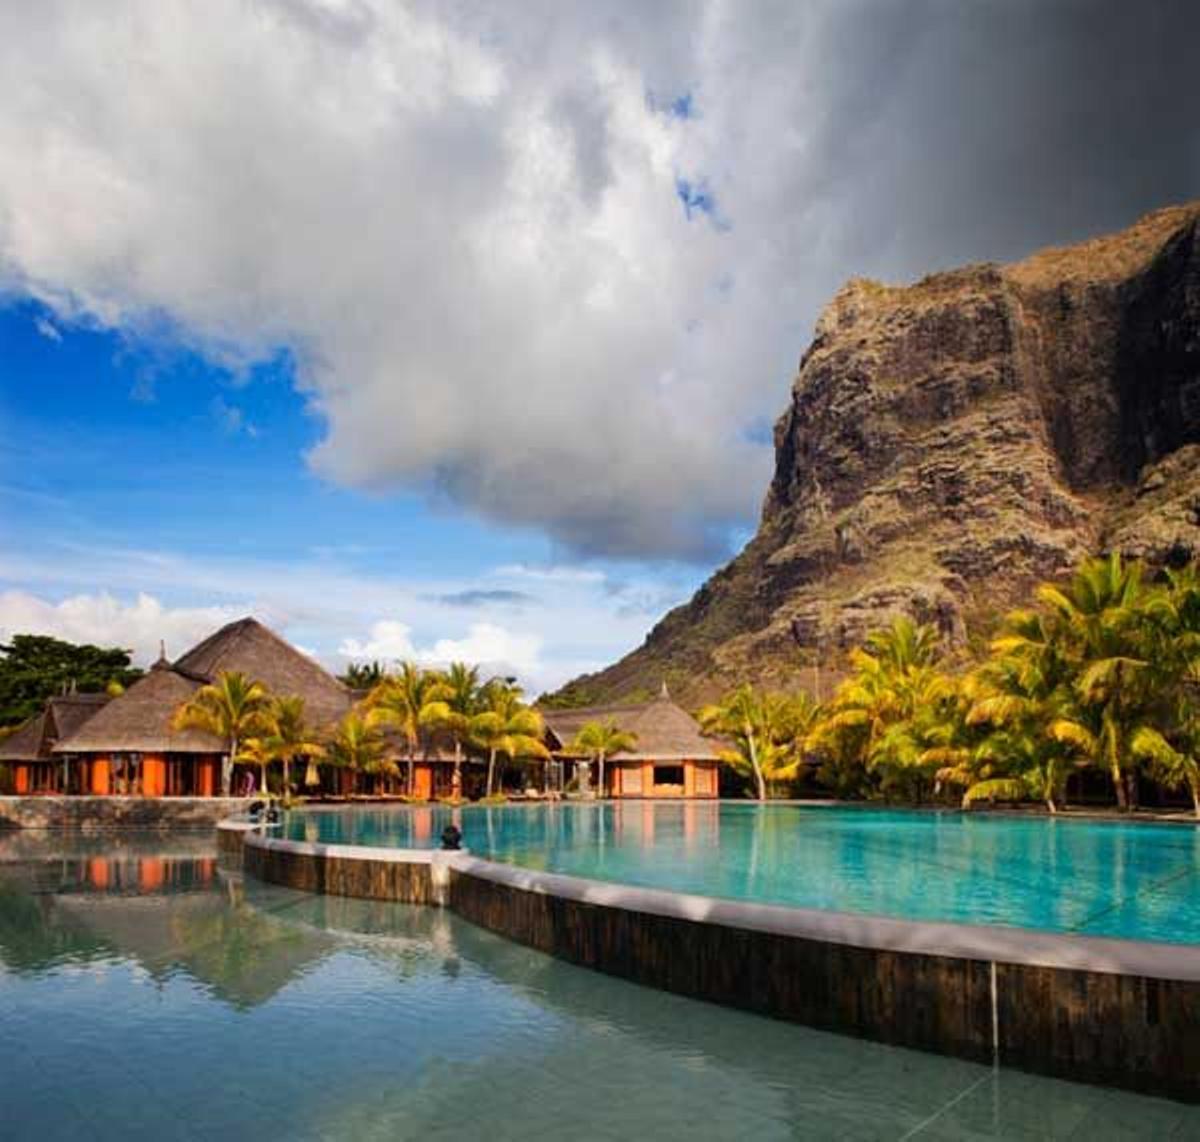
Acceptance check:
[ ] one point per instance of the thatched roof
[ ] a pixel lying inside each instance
(665, 731)
(139, 721)
(259, 653)
(62, 716)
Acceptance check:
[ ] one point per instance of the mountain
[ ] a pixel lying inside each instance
(948, 444)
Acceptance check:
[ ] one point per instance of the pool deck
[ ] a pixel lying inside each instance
(1095, 1009)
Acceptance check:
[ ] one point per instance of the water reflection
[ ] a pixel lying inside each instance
(197, 1004)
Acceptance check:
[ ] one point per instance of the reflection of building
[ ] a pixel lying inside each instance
(671, 757)
(84, 743)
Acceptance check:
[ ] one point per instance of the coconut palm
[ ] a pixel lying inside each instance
(1012, 701)
(363, 675)
(289, 738)
(256, 751)
(506, 725)
(356, 747)
(231, 708)
(407, 700)
(598, 741)
(1101, 622)
(1174, 768)
(454, 699)
(894, 720)
(743, 717)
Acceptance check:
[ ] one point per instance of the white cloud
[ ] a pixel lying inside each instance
(47, 329)
(494, 648)
(389, 641)
(106, 621)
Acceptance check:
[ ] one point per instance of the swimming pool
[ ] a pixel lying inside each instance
(1100, 878)
(146, 993)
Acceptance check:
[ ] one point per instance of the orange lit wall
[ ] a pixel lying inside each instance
(206, 777)
(100, 776)
(423, 782)
(154, 776)
(22, 779)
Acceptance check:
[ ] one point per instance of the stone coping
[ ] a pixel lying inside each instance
(980, 942)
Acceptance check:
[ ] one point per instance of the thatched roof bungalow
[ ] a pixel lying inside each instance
(30, 749)
(131, 746)
(671, 758)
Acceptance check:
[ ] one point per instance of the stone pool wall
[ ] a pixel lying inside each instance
(1080, 1008)
(403, 877)
(100, 814)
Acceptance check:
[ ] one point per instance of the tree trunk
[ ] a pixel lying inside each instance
(410, 773)
(1050, 805)
(227, 766)
(758, 777)
(456, 791)
(600, 775)
(491, 770)
(1118, 780)
(1195, 785)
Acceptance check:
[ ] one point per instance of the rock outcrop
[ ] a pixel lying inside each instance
(948, 444)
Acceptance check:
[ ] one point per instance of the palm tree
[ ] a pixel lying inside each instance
(453, 700)
(1099, 623)
(357, 747)
(600, 740)
(892, 721)
(1174, 768)
(407, 700)
(363, 675)
(506, 725)
(1013, 700)
(256, 751)
(741, 716)
(290, 737)
(231, 708)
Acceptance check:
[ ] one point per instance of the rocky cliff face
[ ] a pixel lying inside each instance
(947, 445)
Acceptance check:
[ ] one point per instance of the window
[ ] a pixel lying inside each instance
(668, 775)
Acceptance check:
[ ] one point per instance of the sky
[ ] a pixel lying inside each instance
(458, 330)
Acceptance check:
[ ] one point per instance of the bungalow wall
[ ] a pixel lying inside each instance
(146, 775)
(684, 778)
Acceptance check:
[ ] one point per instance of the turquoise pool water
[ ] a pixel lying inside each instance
(1137, 881)
(146, 993)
